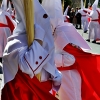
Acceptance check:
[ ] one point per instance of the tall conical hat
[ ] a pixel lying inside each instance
(4, 5)
(9, 7)
(82, 6)
(95, 4)
(54, 10)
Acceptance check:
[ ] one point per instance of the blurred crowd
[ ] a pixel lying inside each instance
(73, 16)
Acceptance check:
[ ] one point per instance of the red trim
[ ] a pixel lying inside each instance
(98, 20)
(10, 24)
(95, 20)
(85, 11)
(74, 66)
(38, 66)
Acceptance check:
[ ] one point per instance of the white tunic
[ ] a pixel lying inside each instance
(84, 19)
(94, 26)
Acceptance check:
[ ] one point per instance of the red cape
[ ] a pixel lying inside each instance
(88, 65)
(22, 87)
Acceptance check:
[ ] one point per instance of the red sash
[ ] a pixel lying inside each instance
(98, 20)
(74, 66)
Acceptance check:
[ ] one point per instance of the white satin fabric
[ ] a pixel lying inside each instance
(71, 85)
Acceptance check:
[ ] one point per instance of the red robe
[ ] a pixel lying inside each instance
(88, 65)
(22, 87)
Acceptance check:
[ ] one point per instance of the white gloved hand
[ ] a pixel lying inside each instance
(68, 59)
(57, 80)
(39, 32)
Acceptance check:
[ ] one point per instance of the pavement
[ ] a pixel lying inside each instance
(95, 48)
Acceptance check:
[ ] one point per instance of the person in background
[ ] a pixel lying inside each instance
(94, 25)
(78, 17)
(84, 17)
(67, 14)
(72, 16)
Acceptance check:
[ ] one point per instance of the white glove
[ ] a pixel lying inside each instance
(64, 59)
(39, 32)
(68, 59)
(57, 80)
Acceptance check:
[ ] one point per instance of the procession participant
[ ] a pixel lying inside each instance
(65, 33)
(94, 25)
(6, 19)
(78, 17)
(29, 72)
(84, 18)
(71, 47)
(67, 14)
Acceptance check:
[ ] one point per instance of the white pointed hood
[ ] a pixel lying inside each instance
(82, 6)
(4, 5)
(41, 18)
(54, 10)
(9, 7)
(95, 4)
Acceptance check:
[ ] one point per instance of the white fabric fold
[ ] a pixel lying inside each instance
(39, 32)
(68, 34)
(31, 56)
(64, 59)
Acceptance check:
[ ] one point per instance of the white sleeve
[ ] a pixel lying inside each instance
(61, 40)
(58, 60)
(33, 59)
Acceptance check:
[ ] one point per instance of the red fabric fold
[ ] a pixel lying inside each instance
(10, 24)
(74, 66)
(89, 69)
(22, 87)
